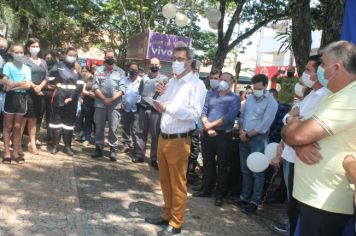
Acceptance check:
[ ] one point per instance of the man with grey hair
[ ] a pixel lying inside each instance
(321, 141)
(218, 117)
(148, 117)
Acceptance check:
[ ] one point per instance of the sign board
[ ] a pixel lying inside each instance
(151, 44)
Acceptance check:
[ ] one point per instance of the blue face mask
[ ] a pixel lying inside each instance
(321, 76)
(223, 86)
(214, 84)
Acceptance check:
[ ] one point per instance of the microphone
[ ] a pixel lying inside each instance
(157, 94)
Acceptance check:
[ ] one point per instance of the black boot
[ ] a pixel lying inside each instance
(56, 137)
(98, 152)
(113, 153)
(67, 138)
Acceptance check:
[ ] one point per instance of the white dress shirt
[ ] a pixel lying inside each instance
(306, 108)
(184, 99)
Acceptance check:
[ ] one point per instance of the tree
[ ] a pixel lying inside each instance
(257, 13)
(329, 16)
(301, 31)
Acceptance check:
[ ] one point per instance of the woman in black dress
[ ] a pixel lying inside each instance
(35, 99)
(65, 101)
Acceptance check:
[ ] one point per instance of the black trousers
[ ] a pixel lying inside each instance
(194, 150)
(216, 147)
(316, 222)
(235, 175)
(293, 207)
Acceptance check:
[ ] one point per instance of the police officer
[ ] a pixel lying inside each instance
(108, 87)
(148, 118)
(65, 101)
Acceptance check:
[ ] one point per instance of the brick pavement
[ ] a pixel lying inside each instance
(59, 195)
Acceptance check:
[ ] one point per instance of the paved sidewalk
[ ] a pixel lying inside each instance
(59, 195)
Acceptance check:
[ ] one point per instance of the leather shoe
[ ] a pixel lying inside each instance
(156, 221)
(154, 165)
(169, 230)
(219, 201)
(202, 193)
(98, 152)
(138, 160)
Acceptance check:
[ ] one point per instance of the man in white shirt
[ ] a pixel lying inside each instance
(304, 109)
(181, 105)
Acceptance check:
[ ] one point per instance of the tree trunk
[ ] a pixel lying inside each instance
(334, 13)
(301, 31)
(220, 57)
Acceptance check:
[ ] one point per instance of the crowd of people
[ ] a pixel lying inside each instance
(312, 118)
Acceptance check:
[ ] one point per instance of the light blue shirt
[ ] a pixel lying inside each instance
(132, 96)
(17, 75)
(259, 114)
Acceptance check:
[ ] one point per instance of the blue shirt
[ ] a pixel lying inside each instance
(225, 107)
(132, 96)
(17, 75)
(259, 114)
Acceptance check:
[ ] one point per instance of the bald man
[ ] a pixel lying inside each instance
(148, 118)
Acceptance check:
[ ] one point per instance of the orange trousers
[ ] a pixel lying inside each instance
(172, 157)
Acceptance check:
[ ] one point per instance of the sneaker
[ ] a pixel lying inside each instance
(280, 228)
(251, 208)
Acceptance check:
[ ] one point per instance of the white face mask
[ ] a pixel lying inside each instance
(258, 93)
(71, 59)
(178, 67)
(299, 90)
(34, 51)
(307, 81)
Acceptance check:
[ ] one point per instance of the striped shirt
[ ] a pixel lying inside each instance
(184, 100)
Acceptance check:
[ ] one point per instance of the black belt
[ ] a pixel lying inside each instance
(174, 136)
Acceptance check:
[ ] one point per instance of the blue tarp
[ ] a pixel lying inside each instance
(349, 24)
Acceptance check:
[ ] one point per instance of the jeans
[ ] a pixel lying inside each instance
(252, 183)
(285, 166)
(88, 124)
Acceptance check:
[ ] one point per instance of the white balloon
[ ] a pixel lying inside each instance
(213, 25)
(169, 11)
(181, 20)
(257, 162)
(213, 15)
(271, 151)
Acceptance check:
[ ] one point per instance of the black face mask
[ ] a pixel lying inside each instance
(154, 69)
(290, 74)
(51, 62)
(3, 53)
(133, 73)
(110, 61)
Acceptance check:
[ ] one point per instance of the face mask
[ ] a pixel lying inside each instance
(178, 67)
(321, 77)
(223, 86)
(34, 51)
(258, 93)
(307, 81)
(110, 61)
(214, 84)
(299, 90)
(51, 62)
(71, 59)
(133, 73)
(154, 69)
(290, 74)
(18, 57)
(2, 52)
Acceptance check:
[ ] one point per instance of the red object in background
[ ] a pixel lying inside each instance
(94, 61)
